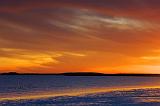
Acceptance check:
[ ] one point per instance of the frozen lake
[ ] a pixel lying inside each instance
(48, 90)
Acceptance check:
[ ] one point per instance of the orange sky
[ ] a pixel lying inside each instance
(108, 36)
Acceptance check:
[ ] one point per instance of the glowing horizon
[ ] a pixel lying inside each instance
(106, 36)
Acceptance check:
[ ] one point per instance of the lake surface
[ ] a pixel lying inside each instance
(49, 90)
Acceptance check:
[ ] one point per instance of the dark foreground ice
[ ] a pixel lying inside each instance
(134, 97)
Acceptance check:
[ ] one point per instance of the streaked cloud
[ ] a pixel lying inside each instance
(19, 58)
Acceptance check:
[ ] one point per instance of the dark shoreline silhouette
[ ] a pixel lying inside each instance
(82, 74)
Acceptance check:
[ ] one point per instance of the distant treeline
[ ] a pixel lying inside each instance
(80, 74)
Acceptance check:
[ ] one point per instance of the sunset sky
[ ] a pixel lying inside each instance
(55, 36)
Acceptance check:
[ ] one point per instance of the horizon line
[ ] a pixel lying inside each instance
(83, 74)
